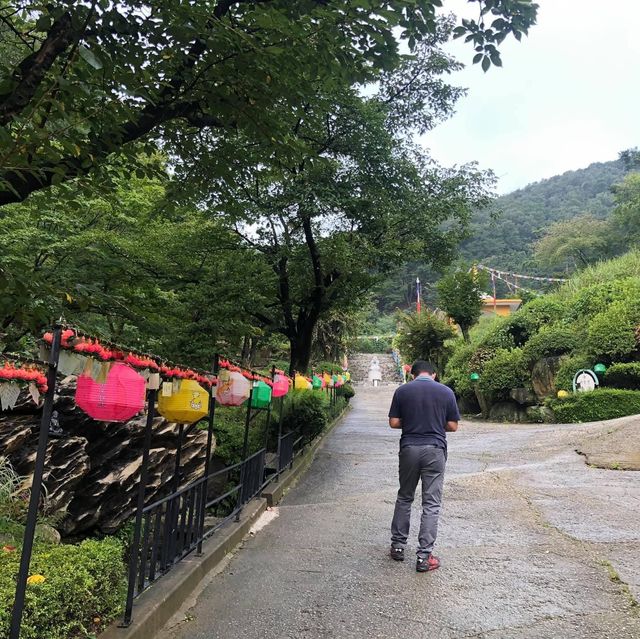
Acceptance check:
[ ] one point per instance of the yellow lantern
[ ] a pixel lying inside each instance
(189, 404)
(563, 394)
(327, 379)
(348, 376)
(300, 383)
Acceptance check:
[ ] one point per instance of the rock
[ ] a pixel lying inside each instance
(540, 415)
(507, 412)
(484, 403)
(469, 405)
(92, 472)
(523, 396)
(543, 376)
(15, 434)
(48, 534)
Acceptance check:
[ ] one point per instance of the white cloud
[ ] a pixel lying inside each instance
(567, 96)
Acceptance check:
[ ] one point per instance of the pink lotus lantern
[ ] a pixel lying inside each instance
(233, 388)
(280, 385)
(119, 399)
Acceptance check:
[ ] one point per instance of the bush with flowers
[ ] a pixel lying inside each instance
(73, 591)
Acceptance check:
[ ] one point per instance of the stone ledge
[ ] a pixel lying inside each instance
(155, 607)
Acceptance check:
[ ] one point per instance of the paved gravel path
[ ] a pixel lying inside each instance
(534, 544)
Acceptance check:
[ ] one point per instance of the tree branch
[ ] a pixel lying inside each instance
(32, 70)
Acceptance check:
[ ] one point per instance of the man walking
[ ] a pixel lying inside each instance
(425, 410)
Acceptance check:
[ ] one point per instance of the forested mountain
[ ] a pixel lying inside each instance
(502, 236)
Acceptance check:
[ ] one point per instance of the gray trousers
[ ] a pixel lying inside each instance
(424, 463)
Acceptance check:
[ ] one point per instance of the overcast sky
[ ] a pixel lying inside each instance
(567, 95)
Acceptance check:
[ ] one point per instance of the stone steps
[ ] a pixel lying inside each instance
(359, 364)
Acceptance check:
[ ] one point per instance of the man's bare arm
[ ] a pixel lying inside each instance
(451, 427)
(395, 422)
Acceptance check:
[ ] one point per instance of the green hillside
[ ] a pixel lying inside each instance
(503, 235)
(594, 318)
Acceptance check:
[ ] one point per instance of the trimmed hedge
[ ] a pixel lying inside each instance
(550, 341)
(611, 334)
(83, 589)
(623, 376)
(600, 404)
(309, 411)
(505, 371)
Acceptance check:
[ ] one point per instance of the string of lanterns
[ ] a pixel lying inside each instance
(112, 381)
(17, 372)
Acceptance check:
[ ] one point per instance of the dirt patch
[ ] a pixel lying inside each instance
(614, 448)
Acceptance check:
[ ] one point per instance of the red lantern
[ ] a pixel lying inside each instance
(119, 399)
(280, 385)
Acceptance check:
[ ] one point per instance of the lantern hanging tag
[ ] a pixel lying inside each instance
(66, 363)
(35, 393)
(9, 393)
(167, 389)
(153, 382)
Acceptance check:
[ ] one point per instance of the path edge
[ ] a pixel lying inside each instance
(156, 606)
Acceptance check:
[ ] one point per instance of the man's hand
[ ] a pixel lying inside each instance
(451, 427)
(395, 422)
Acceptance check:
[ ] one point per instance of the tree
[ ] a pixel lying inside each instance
(574, 244)
(460, 297)
(83, 80)
(423, 336)
(625, 218)
(331, 226)
(170, 280)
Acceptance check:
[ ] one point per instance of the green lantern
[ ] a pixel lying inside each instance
(261, 396)
(474, 377)
(600, 369)
(316, 383)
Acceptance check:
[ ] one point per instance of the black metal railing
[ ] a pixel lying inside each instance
(285, 450)
(252, 477)
(174, 526)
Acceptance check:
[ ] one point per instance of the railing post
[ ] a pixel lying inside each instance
(280, 420)
(36, 487)
(245, 451)
(144, 477)
(207, 461)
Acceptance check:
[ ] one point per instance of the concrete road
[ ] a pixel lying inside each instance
(534, 544)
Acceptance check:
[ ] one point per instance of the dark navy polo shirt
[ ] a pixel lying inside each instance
(424, 406)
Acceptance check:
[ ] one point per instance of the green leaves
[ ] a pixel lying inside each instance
(89, 57)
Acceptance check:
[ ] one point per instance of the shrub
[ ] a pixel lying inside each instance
(623, 376)
(457, 371)
(506, 370)
(83, 590)
(346, 391)
(569, 366)
(603, 403)
(371, 345)
(422, 336)
(307, 411)
(612, 333)
(596, 298)
(499, 336)
(540, 312)
(550, 341)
